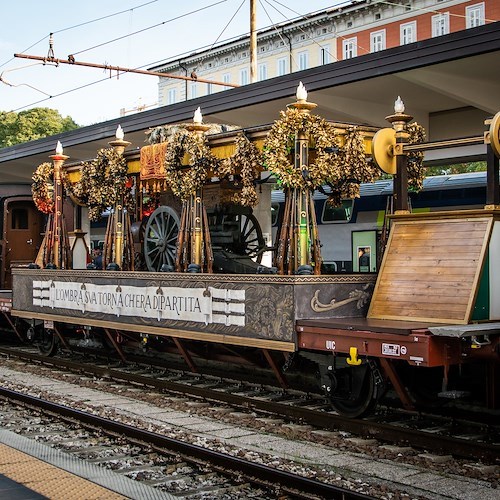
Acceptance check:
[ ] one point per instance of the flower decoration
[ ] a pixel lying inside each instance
(350, 168)
(280, 142)
(42, 188)
(246, 162)
(185, 180)
(342, 168)
(103, 181)
(415, 158)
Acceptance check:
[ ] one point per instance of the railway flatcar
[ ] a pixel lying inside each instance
(402, 296)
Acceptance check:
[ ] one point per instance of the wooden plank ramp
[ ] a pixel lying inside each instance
(432, 267)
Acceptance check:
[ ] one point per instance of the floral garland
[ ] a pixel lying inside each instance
(103, 180)
(351, 169)
(279, 142)
(184, 182)
(42, 187)
(246, 162)
(415, 158)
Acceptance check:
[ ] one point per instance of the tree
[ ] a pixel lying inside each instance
(32, 124)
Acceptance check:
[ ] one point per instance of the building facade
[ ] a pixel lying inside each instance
(342, 32)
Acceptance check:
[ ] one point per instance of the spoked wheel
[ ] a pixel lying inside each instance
(160, 238)
(357, 392)
(251, 240)
(47, 343)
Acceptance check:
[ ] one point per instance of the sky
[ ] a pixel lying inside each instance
(168, 29)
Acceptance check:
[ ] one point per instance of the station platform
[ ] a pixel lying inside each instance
(33, 471)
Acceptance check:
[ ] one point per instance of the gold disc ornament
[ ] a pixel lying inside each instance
(383, 144)
(495, 134)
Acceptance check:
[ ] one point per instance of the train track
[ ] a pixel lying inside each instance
(463, 439)
(245, 479)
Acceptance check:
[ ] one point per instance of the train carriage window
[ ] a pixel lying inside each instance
(337, 214)
(19, 218)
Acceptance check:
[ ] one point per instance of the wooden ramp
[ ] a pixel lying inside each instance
(432, 267)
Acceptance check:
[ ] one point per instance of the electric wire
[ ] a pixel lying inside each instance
(82, 24)
(181, 16)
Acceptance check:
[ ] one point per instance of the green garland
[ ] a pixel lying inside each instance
(280, 141)
(246, 162)
(351, 169)
(102, 183)
(185, 180)
(343, 168)
(42, 186)
(415, 158)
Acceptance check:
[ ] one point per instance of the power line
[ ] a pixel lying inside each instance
(150, 27)
(82, 24)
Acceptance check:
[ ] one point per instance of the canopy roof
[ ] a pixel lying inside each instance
(450, 84)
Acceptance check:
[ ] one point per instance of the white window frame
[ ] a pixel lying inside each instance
(226, 78)
(377, 41)
(194, 90)
(324, 55)
(171, 96)
(440, 24)
(350, 47)
(474, 15)
(404, 37)
(244, 76)
(303, 60)
(210, 89)
(262, 70)
(281, 66)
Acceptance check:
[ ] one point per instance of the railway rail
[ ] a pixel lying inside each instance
(448, 435)
(234, 473)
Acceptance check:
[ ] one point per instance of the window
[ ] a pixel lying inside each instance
(210, 89)
(262, 71)
(408, 33)
(377, 41)
(171, 96)
(441, 24)
(474, 15)
(194, 90)
(349, 48)
(349, 24)
(19, 218)
(378, 16)
(281, 69)
(244, 76)
(303, 60)
(337, 214)
(324, 54)
(226, 78)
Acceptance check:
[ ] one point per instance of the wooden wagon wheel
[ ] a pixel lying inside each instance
(251, 241)
(160, 238)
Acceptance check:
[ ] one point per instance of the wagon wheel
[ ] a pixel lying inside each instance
(47, 342)
(160, 238)
(251, 241)
(357, 392)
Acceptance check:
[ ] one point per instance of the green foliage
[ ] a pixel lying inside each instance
(32, 124)
(459, 168)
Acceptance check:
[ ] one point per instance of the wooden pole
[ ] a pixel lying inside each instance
(253, 41)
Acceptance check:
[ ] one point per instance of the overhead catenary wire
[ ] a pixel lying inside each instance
(82, 24)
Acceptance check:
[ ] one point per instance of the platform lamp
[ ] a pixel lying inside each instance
(58, 254)
(194, 222)
(119, 224)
